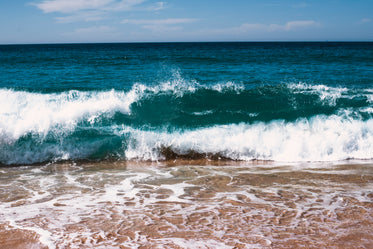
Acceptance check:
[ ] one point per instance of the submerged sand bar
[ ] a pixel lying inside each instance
(187, 204)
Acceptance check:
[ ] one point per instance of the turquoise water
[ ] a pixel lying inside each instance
(237, 101)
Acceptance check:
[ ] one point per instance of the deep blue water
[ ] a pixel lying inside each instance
(240, 101)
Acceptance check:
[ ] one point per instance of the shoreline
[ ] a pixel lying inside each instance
(187, 204)
(188, 161)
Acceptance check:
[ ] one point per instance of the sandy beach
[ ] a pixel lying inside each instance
(187, 204)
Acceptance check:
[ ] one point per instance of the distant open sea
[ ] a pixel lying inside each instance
(285, 101)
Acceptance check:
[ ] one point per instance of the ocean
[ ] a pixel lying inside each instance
(237, 101)
(186, 145)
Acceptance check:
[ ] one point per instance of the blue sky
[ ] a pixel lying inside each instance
(65, 21)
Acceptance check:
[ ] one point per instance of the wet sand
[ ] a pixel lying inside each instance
(187, 204)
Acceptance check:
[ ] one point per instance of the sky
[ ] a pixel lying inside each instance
(80, 21)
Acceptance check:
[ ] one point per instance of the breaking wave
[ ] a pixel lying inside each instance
(179, 119)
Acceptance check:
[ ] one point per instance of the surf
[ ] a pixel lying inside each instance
(185, 119)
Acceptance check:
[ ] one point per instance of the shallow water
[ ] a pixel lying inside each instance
(187, 204)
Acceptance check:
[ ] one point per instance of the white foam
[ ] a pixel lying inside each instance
(193, 243)
(220, 87)
(203, 113)
(321, 138)
(367, 110)
(369, 95)
(24, 112)
(45, 236)
(178, 190)
(328, 95)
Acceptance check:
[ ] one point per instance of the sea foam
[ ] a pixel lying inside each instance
(320, 138)
(24, 112)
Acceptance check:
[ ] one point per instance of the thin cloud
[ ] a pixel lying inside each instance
(272, 4)
(70, 6)
(295, 6)
(293, 25)
(94, 29)
(98, 33)
(300, 5)
(366, 20)
(289, 26)
(160, 24)
(87, 16)
(168, 21)
(90, 10)
(124, 5)
(158, 6)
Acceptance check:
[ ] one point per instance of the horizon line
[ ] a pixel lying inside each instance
(160, 42)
